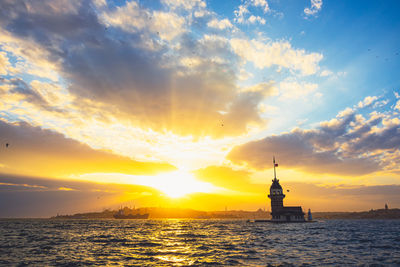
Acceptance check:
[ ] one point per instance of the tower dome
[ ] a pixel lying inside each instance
(275, 184)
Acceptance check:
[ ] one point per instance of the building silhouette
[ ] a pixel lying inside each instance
(279, 212)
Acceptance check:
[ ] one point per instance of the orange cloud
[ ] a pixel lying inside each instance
(39, 152)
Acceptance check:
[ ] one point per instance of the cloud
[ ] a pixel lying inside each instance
(253, 19)
(132, 18)
(46, 96)
(240, 12)
(66, 189)
(326, 73)
(243, 10)
(36, 151)
(262, 4)
(398, 105)
(44, 197)
(244, 75)
(367, 101)
(346, 145)
(225, 177)
(4, 63)
(28, 57)
(316, 6)
(27, 186)
(220, 24)
(341, 197)
(281, 54)
(290, 88)
(188, 5)
(125, 63)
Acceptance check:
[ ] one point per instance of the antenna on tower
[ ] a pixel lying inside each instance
(275, 165)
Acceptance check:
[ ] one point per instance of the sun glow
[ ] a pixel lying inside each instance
(173, 184)
(178, 184)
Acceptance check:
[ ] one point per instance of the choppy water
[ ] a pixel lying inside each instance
(198, 242)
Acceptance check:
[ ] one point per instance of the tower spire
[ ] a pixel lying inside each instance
(273, 157)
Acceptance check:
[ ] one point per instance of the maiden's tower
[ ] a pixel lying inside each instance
(279, 212)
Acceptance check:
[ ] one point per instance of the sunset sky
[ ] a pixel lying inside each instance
(175, 103)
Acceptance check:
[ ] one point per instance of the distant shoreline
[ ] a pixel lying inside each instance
(175, 213)
(372, 214)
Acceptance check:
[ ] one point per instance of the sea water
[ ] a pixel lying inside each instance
(198, 242)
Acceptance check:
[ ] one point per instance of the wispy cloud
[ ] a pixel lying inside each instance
(24, 185)
(243, 14)
(282, 54)
(316, 6)
(291, 88)
(220, 24)
(66, 189)
(367, 101)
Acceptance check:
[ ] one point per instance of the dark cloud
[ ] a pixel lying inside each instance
(20, 87)
(36, 151)
(27, 93)
(388, 139)
(25, 196)
(148, 86)
(343, 146)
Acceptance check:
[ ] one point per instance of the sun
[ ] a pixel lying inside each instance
(173, 184)
(179, 183)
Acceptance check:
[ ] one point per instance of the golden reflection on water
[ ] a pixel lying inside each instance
(174, 250)
(197, 242)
